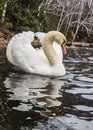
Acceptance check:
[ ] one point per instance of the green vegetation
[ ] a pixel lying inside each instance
(20, 15)
(46, 15)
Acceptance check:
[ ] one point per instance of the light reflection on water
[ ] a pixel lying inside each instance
(41, 103)
(36, 89)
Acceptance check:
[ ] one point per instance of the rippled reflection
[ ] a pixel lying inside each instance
(33, 102)
(34, 89)
(69, 122)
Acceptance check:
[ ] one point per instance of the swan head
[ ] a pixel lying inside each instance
(61, 40)
(56, 36)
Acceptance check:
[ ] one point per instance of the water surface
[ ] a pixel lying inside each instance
(33, 102)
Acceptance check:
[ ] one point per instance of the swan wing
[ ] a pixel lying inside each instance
(21, 53)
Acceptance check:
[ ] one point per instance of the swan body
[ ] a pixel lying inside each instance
(45, 61)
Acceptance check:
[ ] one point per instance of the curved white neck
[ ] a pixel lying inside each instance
(50, 52)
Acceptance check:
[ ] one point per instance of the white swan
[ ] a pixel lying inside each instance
(45, 61)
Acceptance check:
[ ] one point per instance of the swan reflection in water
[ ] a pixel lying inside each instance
(33, 90)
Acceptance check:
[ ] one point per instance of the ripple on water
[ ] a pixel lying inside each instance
(83, 108)
(69, 122)
(80, 90)
(37, 90)
(84, 79)
(88, 96)
(90, 59)
(67, 100)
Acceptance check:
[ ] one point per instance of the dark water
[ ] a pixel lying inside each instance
(32, 102)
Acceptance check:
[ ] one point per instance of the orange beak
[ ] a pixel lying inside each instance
(63, 45)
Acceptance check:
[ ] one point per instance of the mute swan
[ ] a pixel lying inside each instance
(44, 61)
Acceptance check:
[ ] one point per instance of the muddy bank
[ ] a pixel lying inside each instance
(5, 36)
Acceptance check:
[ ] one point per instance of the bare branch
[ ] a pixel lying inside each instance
(74, 13)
